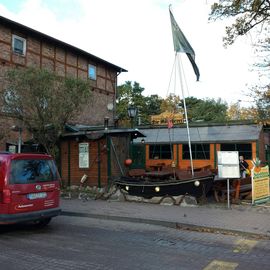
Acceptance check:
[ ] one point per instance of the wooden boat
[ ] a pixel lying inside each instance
(152, 184)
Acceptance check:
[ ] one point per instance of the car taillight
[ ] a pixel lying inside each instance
(6, 196)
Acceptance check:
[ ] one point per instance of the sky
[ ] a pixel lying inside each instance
(136, 35)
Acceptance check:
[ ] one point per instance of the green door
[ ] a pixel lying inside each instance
(138, 156)
(267, 154)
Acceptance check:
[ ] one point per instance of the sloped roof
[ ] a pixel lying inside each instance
(210, 134)
(26, 30)
(94, 133)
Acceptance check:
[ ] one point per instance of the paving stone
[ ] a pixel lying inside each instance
(243, 218)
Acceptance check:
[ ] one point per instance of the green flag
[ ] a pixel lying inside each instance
(181, 44)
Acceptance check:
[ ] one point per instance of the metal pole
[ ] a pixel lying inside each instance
(20, 141)
(132, 122)
(186, 117)
(109, 165)
(99, 165)
(228, 193)
(69, 165)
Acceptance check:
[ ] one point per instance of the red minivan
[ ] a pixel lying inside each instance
(29, 188)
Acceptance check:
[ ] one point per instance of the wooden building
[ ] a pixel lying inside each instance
(21, 46)
(162, 146)
(99, 154)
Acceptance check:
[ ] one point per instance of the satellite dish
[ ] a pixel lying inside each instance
(109, 106)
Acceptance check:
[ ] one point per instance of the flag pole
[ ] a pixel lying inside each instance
(185, 111)
(181, 45)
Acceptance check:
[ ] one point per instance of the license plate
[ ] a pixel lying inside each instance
(40, 195)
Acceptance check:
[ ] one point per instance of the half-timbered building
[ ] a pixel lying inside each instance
(21, 46)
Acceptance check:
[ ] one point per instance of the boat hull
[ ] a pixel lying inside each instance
(197, 186)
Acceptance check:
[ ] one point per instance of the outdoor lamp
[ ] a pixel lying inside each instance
(132, 112)
(196, 183)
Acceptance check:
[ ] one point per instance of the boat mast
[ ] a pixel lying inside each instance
(181, 45)
(185, 110)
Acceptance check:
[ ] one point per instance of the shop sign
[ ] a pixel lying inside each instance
(260, 185)
(228, 164)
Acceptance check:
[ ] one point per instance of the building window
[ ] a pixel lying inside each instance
(198, 151)
(244, 149)
(18, 45)
(160, 151)
(92, 72)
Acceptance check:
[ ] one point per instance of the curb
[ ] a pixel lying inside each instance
(170, 224)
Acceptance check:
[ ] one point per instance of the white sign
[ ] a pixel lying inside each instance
(228, 171)
(228, 164)
(84, 155)
(12, 149)
(228, 158)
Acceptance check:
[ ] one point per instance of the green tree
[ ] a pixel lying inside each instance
(247, 13)
(206, 109)
(250, 15)
(171, 104)
(131, 94)
(153, 105)
(192, 103)
(43, 102)
(236, 112)
(128, 94)
(262, 102)
(198, 109)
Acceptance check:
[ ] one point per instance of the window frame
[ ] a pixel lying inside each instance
(245, 154)
(90, 76)
(14, 37)
(33, 171)
(195, 152)
(160, 152)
